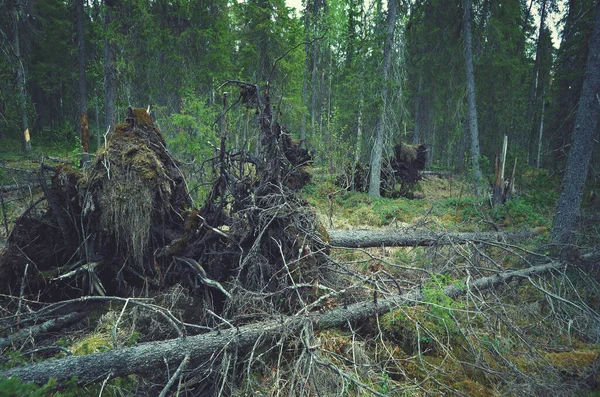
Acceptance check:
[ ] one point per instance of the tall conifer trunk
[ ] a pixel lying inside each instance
(83, 120)
(586, 122)
(471, 107)
(533, 88)
(21, 77)
(110, 70)
(377, 152)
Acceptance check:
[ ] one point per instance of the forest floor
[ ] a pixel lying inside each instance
(534, 336)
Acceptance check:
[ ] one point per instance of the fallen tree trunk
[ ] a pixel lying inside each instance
(11, 188)
(441, 174)
(399, 238)
(54, 324)
(153, 356)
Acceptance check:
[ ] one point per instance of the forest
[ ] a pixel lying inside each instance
(332, 198)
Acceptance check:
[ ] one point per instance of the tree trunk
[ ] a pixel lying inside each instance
(586, 121)
(358, 148)
(377, 152)
(305, 80)
(110, 72)
(416, 132)
(539, 148)
(462, 147)
(533, 88)
(21, 78)
(400, 238)
(156, 356)
(83, 120)
(471, 107)
(499, 193)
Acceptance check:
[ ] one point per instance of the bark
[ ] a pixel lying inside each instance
(499, 192)
(110, 71)
(541, 130)
(533, 87)
(55, 324)
(462, 147)
(441, 174)
(83, 120)
(307, 48)
(21, 77)
(155, 356)
(399, 238)
(12, 188)
(471, 107)
(416, 133)
(358, 148)
(586, 121)
(377, 152)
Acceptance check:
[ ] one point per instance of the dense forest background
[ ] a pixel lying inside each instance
(335, 79)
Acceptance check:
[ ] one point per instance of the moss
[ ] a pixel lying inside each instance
(472, 388)
(575, 362)
(94, 343)
(192, 221)
(528, 294)
(142, 118)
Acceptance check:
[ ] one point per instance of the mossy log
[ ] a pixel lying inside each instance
(150, 357)
(401, 238)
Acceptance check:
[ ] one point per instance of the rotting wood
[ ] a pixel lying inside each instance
(155, 356)
(401, 238)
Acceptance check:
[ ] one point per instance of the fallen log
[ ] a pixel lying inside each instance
(441, 174)
(11, 188)
(51, 325)
(152, 356)
(400, 238)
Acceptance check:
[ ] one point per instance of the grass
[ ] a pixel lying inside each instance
(448, 204)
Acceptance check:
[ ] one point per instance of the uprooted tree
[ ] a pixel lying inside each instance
(127, 223)
(249, 281)
(402, 168)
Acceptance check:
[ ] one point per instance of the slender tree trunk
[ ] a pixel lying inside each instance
(83, 120)
(539, 148)
(533, 88)
(110, 72)
(377, 152)
(471, 107)
(462, 147)
(307, 72)
(316, 82)
(416, 134)
(586, 121)
(358, 148)
(21, 78)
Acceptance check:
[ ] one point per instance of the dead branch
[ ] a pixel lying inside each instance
(153, 356)
(400, 238)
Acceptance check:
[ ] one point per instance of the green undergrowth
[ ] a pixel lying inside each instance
(14, 387)
(447, 204)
